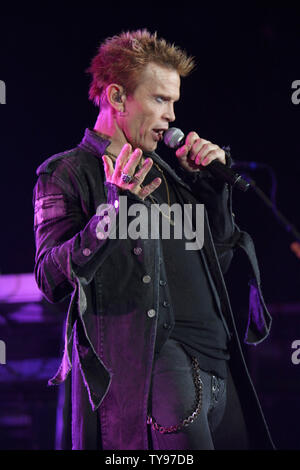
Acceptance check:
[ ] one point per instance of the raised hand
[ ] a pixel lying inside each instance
(124, 176)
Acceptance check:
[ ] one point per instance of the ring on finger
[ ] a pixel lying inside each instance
(126, 178)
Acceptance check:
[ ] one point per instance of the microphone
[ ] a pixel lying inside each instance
(174, 138)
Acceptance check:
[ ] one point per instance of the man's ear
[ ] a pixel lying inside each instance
(115, 96)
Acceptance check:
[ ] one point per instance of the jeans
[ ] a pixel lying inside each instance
(173, 398)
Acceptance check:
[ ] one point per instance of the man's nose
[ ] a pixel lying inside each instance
(170, 113)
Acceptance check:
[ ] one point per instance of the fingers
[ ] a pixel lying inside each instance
(122, 160)
(133, 162)
(108, 168)
(200, 151)
(141, 174)
(210, 154)
(128, 166)
(191, 138)
(127, 163)
(135, 184)
(203, 151)
(114, 175)
(183, 151)
(149, 188)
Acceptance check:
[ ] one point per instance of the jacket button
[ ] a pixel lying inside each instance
(100, 235)
(86, 252)
(151, 313)
(146, 279)
(137, 250)
(162, 282)
(166, 303)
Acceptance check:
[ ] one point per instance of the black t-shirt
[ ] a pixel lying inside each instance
(198, 324)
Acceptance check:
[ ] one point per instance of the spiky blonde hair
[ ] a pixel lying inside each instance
(122, 58)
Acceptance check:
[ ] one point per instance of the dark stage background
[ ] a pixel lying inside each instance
(240, 94)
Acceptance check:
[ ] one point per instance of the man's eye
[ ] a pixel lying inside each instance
(160, 99)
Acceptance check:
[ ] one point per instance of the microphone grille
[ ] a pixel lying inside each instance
(173, 137)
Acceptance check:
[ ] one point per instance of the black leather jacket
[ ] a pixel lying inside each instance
(113, 316)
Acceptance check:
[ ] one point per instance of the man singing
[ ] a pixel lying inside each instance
(151, 347)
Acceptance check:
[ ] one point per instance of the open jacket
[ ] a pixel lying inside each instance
(113, 319)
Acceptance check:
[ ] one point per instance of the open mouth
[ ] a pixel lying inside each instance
(158, 134)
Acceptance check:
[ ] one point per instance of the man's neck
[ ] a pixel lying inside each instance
(107, 127)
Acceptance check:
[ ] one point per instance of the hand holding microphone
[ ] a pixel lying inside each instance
(194, 151)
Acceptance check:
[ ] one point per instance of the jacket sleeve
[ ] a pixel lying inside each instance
(68, 245)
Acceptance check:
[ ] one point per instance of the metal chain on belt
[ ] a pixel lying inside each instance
(190, 419)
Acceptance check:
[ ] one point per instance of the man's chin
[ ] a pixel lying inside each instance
(146, 147)
(150, 147)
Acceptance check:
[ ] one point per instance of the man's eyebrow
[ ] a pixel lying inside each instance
(166, 97)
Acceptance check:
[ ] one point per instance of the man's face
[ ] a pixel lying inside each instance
(151, 107)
